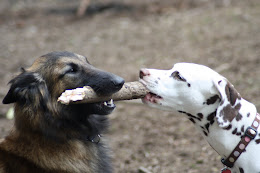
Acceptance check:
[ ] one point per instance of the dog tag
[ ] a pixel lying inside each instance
(225, 170)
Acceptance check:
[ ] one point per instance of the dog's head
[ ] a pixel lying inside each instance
(38, 87)
(193, 89)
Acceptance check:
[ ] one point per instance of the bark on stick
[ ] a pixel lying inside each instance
(129, 91)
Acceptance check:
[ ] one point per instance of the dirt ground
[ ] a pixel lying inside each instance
(125, 35)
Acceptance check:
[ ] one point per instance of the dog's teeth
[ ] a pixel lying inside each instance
(110, 102)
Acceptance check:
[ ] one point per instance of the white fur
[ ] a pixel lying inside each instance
(190, 96)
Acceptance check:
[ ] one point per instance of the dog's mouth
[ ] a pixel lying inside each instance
(152, 98)
(108, 104)
(105, 108)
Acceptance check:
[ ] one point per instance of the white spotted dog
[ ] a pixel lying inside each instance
(228, 122)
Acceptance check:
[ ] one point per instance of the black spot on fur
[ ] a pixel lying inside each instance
(238, 106)
(200, 115)
(190, 115)
(228, 127)
(241, 170)
(189, 85)
(238, 134)
(211, 116)
(229, 113)
(248, 115)
(205, 133)
(207, 126)
(176, 75)
(239, 117)
(192, 120)
(234, 131)
(212, 122)
(212, 100)
(257, 141)
(243, 128)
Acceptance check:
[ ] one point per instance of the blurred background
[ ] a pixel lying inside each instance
(122, 36)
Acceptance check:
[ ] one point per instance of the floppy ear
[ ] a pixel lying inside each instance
(229, 105)
(28, 87)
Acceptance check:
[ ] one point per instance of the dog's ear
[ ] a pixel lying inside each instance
(229, 105)
(28, 87)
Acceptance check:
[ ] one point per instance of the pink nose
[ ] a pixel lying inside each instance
(143, 72)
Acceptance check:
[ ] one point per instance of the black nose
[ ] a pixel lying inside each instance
(118, 82)
(105, 83)
(110, 85)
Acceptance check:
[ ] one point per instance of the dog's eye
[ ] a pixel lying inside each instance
(176, 75)
(73, 68)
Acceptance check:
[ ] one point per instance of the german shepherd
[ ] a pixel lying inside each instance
(49, 137)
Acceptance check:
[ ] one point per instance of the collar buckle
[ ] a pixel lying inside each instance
(251, 132)
(95, 139)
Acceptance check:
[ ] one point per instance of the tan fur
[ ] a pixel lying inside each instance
(49, 137)
(67, 157)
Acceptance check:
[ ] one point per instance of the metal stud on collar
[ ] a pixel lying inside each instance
(95, 139)
(251, 132)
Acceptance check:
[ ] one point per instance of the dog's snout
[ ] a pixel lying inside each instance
(109, 84)
(118, 82)
(143, 72)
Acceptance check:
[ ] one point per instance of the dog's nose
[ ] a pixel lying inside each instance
(143, 72)
(118, 82)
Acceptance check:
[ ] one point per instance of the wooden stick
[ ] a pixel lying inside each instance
(129, 91)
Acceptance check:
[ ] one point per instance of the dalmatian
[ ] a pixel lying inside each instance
(227, 121)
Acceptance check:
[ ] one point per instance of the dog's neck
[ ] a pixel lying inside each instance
(53, 128)
(223, 140)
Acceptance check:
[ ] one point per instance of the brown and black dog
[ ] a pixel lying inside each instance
(51, 137)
